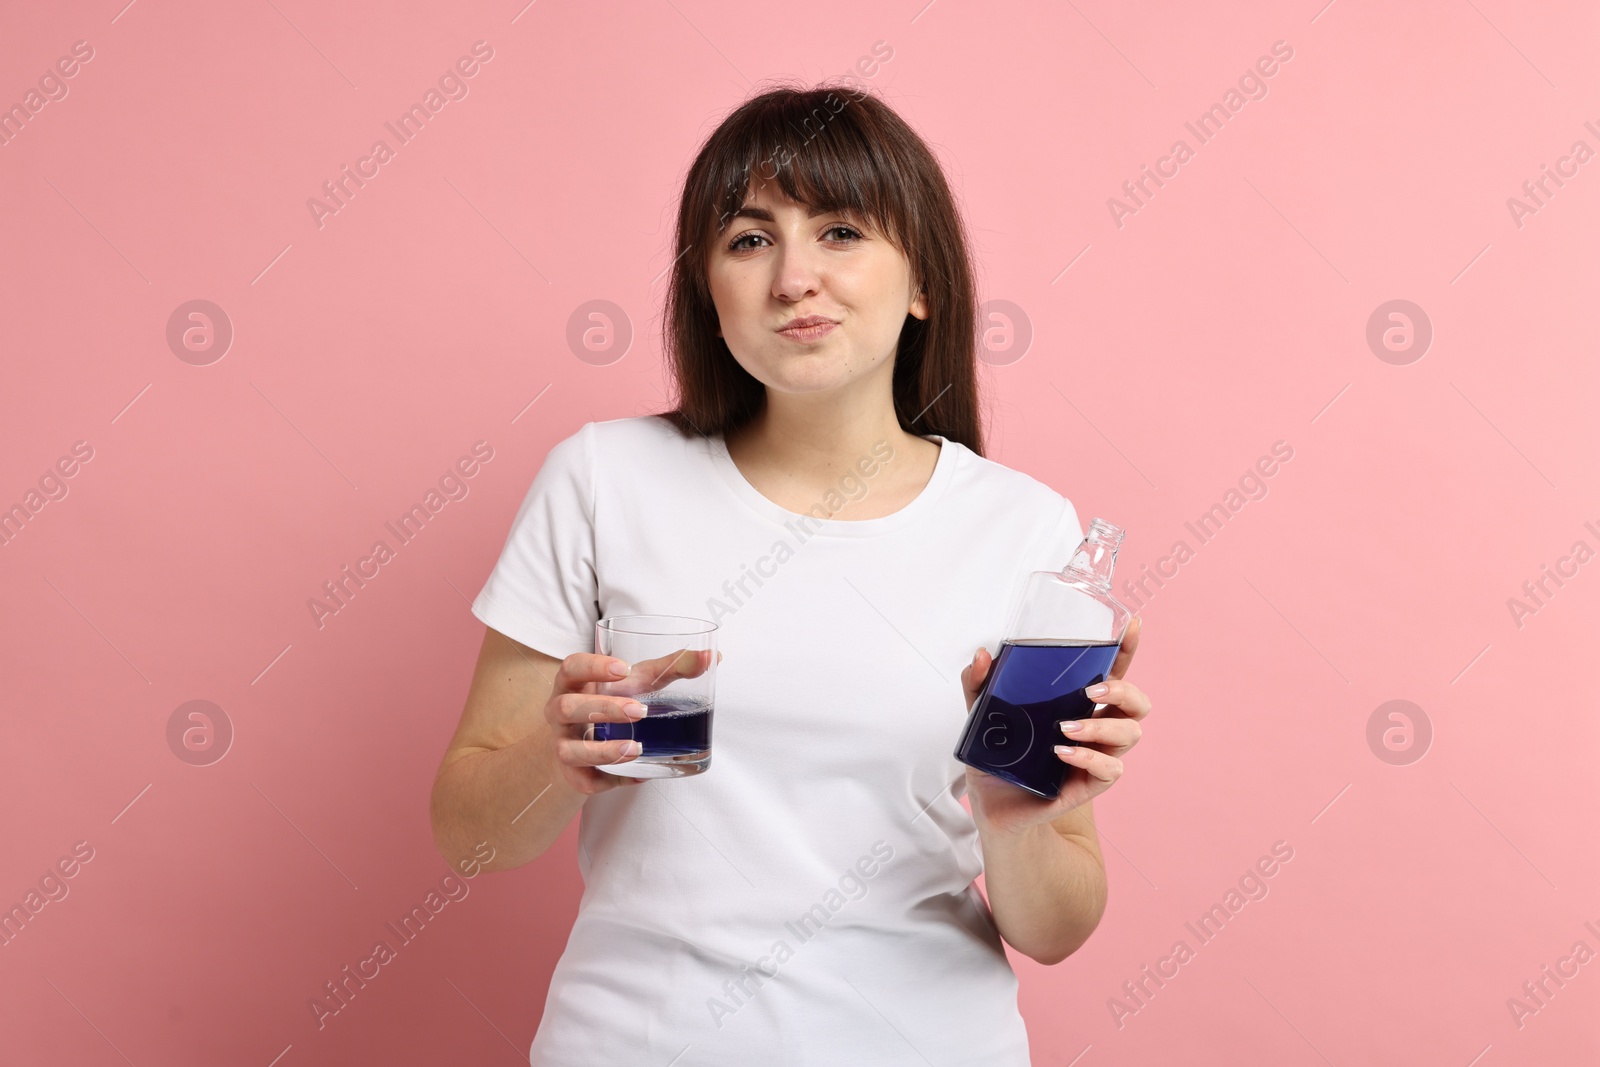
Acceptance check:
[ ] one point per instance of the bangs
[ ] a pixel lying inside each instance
(815, 147)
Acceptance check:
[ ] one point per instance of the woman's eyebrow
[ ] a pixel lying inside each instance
(752, 212)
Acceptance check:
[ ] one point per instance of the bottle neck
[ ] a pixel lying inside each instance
(1096, 556)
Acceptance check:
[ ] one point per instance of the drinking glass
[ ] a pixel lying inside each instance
(673, 665)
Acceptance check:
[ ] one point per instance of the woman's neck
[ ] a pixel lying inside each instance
(799, 461)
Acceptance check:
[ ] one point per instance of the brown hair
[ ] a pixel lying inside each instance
(856, 156)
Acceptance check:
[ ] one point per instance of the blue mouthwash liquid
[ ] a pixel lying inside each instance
(1032, 688)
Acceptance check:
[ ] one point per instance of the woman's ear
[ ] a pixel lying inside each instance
(919, 304)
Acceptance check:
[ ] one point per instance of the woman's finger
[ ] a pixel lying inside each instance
(649, 675)
(1120, 734)
(1120, 697)
(975, 673)
(589, 781)
(1130, 644)
(576, 708)
(579, 753)
(581, 668)
(1104, 767)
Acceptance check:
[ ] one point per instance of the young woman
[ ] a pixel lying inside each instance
(820, 493)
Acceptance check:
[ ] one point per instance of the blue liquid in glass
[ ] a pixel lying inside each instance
(1032, 688)
(676, 726)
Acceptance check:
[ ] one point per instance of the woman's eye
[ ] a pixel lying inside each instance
(838, 233)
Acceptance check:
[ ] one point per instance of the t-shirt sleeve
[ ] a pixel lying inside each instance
(1061, 541)
(544, 589)
(1056, 537)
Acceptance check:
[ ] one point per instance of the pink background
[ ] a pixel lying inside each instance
(1228, 313)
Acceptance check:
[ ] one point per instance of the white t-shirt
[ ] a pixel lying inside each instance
(809, 899)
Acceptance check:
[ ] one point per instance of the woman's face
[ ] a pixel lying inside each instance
(777, 265)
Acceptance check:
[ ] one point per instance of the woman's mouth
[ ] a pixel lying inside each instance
(807, 328)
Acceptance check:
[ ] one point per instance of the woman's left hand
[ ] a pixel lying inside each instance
(1095, 762)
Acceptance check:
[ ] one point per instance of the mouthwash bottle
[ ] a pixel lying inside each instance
(1062, 637)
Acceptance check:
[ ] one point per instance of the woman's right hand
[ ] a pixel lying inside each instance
(576, 703)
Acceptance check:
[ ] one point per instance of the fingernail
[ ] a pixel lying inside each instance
(633, 707)
(1099, 690)
(1066, 750)
(1071, 726)
(619, 668)
(632, 748)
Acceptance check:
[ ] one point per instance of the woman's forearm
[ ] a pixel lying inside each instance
(509, 798)
(1047, 891)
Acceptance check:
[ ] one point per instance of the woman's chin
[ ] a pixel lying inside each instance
(812, 373)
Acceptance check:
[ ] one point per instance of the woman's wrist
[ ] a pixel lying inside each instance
(1012, 837)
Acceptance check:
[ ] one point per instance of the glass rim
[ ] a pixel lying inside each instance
(614, 624)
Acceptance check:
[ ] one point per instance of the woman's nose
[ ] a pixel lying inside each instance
(797, 274)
